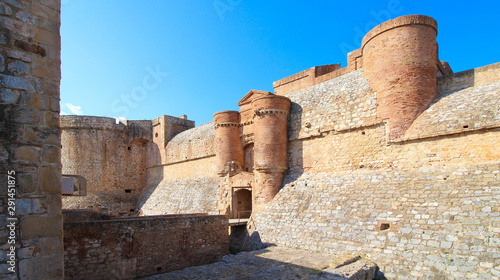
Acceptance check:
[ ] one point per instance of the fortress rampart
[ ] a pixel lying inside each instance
(394, 157)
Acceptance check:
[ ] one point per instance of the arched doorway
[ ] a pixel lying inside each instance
(243, 203)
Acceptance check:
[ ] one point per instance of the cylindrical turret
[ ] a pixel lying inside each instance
(227, 140)
(270, 145)
(400, 63)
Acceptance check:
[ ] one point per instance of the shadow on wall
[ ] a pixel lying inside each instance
(240, 240)
(154, 175)
(295, 146)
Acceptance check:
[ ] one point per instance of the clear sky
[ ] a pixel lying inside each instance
(143, 59)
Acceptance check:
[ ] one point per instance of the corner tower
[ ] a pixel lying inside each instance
(400, 58)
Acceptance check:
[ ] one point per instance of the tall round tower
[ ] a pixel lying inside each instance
(270, 145)
(400, 63)
(227, 140)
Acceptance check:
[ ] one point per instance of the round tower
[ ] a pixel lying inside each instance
(270, 145)
(228, 147)
(400, 63)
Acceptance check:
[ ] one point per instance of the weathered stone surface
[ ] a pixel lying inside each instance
(5, 10)
(15, 83)
(2, 63)
(8, 96)
(18, 67)
(36, 226)
(359, 270)
(275, 263)
(139, 247)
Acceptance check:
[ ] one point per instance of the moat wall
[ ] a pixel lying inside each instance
(424, 205)
(138, 247)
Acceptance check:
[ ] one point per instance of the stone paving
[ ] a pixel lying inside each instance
(276, 263)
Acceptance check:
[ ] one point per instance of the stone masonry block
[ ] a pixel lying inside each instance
(27, 154)
(5, 10)
(17, 3)
(50, 246)
(47, 37)
(51, 155)
(50, 180)
(46, 68)
(52, 87)
(52, 119)
(34, 226)
(8, 96)
(46, 12)
(17, 27)
(18, 67)
(53, 4)
(15, 83)
(2, 63)
(38, 101)
(41, 268)
(27, 183)
(54, 104)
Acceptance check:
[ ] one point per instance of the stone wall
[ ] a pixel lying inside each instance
(29, 140)
(187, 182)
(111, 156)
(137, 247)
(426, 205)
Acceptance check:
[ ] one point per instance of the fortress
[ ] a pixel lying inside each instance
(393, 157)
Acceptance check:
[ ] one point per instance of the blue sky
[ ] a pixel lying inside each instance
(143, 59)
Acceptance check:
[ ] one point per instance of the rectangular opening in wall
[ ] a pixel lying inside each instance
(74, 185)
(385, 226)
(128, 191)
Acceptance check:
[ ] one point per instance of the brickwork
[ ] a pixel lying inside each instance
(29, 139)
(138, 247)
(400, 63)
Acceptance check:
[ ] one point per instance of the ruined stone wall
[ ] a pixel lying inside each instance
(187, 182)
(425, 205)
(112, 157)
(29, 141)
(138, 247)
